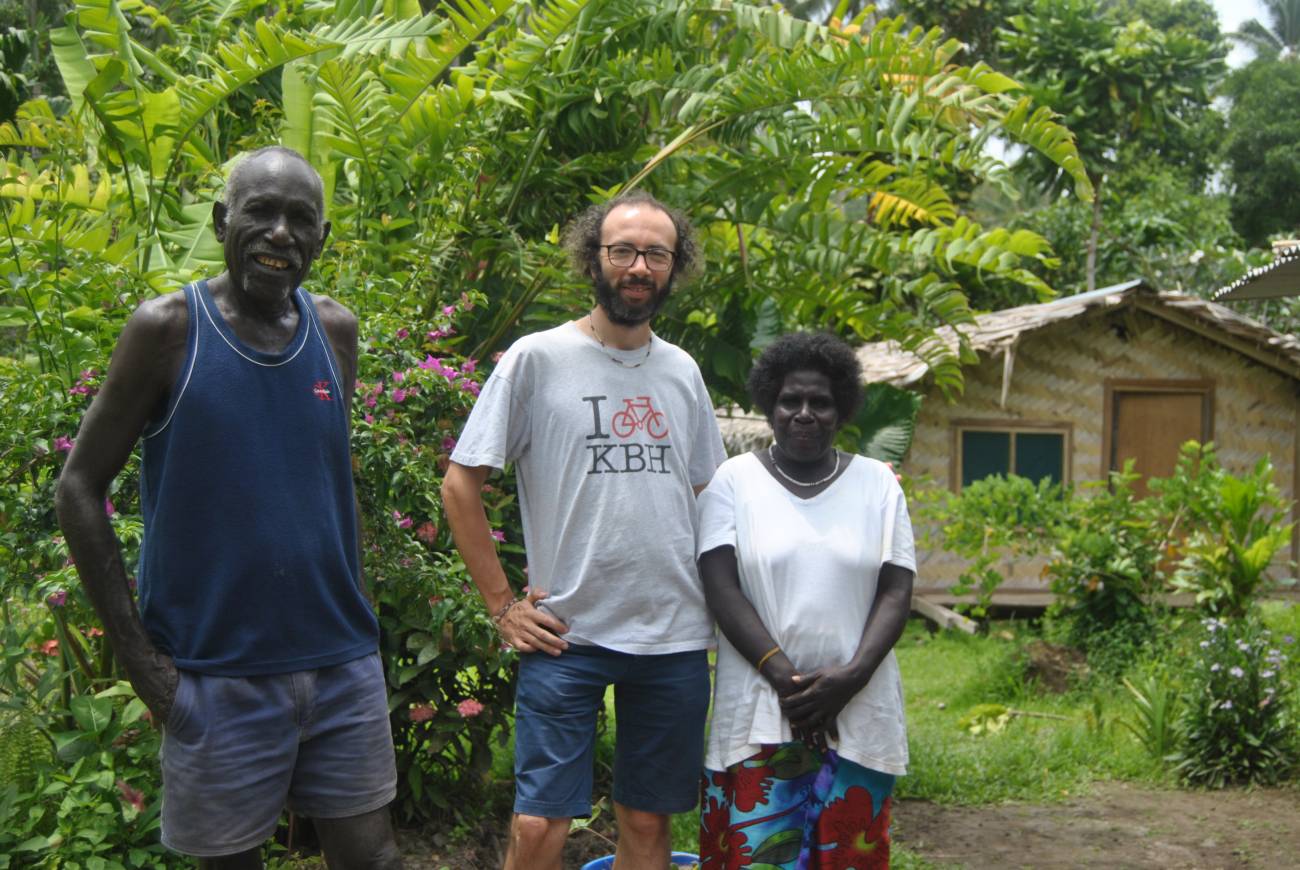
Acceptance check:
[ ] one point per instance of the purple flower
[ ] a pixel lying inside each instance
(57, 598)
(370, 418)
(402, 522)
(63, 443)
(470, 387)
(1288, 638)
(1226, 705)
(402, 333)
(1267, 674)
(449, 310)
(398, 377)
(431, 362)
(399, 395)
(108, 507)
(435, 334)
(448, 444)
(1236, 672)
(469, 365)
(498, 535)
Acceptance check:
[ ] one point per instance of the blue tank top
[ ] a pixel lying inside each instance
(249, 563)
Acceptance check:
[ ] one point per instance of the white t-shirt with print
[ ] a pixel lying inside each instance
(810, 568)
(606, 456)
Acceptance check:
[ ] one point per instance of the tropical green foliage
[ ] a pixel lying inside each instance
(1239, 725)
(1119, 81)
(453, 145)
(1279, 36)
(1262, 151)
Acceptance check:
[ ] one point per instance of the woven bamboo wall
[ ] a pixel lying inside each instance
(1059, 375)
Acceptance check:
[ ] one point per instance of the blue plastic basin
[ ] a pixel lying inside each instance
(677, 859)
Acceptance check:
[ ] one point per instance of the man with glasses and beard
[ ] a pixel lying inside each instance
(612, 435)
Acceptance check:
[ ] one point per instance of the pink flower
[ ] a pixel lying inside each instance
(402, 333)
(398, 377)
(498, 535)
(108, 507)
(399, 395)
(402, 521)
(435, 334)
(63, 443)
(427, 532)
(449, 444)
(430, 362)
(470, 387)
(469, 365)
(369, 418)
(57, 598)
(370, 401)
(469, 708)
(50, 647)
(449, 310)
(421, 712)
(132, 796)
(94, 632)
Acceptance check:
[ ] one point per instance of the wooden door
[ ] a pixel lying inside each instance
(1150, 422)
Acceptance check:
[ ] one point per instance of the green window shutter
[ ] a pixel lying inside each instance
(983, 454)
(1039, 455)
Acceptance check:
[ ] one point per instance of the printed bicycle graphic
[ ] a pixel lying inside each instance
(637, 414)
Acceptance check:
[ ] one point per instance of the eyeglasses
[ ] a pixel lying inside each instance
(623, 256)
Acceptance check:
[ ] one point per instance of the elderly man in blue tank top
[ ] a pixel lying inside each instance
(253, 644)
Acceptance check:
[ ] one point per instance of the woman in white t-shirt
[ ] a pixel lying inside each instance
(807, 561)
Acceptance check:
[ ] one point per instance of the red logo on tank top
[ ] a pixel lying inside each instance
(322, 391)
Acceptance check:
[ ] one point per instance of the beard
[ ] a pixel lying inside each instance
(620, 312)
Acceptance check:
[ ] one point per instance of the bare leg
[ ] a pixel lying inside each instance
(536, 843)
(248, 860)
(643, 839)
(363, 842)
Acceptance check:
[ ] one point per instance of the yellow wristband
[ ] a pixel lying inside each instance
(767, 655)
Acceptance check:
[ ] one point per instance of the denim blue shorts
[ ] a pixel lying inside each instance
(237, 750)
(660, 703)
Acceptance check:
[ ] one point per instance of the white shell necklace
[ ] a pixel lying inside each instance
(834, 471)
(636, 365)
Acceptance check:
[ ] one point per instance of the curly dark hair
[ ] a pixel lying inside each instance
(582, 236)
(808, 351)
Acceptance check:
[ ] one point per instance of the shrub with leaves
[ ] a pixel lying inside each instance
(993, 520)
(1239, 724)
(1233, 528)
(450, 681)
(1104, 568)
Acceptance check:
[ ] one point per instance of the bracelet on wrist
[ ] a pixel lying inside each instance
(501, 614)
(767, 655)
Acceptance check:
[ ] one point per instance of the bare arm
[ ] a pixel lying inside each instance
(524, 626)
(144, 365)
(739, 621)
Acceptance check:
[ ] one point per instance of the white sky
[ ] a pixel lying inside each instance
(1231, 14)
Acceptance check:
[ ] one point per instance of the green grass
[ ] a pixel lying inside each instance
(1030, 759)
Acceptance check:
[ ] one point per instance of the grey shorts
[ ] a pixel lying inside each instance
(237, 750)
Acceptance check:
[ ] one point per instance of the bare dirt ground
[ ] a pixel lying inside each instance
(1116, 826)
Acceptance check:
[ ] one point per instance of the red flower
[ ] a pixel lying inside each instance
(721, 848)
(421, 712)
(747, 787)
(130, 795)
(860, 835)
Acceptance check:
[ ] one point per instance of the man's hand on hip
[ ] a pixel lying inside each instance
(528, 629)
(155, 681)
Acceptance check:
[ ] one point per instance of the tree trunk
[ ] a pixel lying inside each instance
(1091, 264)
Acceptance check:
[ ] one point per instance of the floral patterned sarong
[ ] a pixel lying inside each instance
(790, 809)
